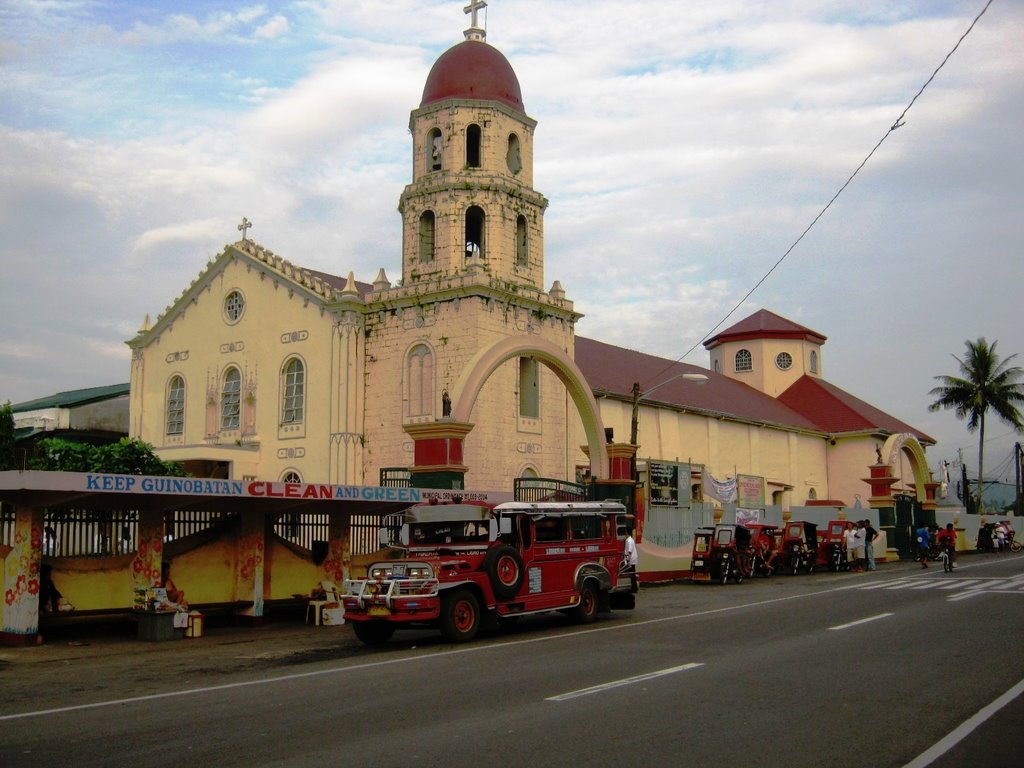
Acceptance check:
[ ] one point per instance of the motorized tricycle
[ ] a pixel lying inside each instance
(798, 550)
(764, 544)
(832, 547)
(721, 553)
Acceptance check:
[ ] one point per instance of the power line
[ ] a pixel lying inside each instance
(897, 124)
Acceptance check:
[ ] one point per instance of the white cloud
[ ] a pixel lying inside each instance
(683, 149)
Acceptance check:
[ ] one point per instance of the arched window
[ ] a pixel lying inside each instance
(419, 375)
(293, 400)
(434, 149)
(812, 495)
(513, 157)
(744, 361)
(529, 472)
(717, 367)
(475, 232)
(522, 243)
(230, 399)
(291, 476)
(814, 361)
(427, 236)
(176, 406)
(473, 146)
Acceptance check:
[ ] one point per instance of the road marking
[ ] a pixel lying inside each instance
(965, 728)
(620, 683)
(861, 621)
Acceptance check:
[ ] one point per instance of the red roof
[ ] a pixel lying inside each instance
(764, 325)
(473, 70)
(835, 411)
(612, 370)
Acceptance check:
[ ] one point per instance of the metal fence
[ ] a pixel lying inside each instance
(547, 489)
(103, 533)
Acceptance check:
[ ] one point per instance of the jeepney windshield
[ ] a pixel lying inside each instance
(440, 533)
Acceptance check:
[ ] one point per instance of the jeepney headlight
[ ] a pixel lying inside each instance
(380, 572)
(419, 572)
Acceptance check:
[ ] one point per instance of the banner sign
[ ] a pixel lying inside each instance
(670, 484)
(723, 491)
(90, 482)
(749, 491)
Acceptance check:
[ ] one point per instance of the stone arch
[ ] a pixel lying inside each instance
(486, 361)
(905, 441)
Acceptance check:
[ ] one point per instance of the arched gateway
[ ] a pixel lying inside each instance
(486, 361)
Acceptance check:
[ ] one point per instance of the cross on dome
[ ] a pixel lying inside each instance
(475, 32)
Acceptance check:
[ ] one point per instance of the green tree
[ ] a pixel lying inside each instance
(7, 453)
(984, 383)
(125, 457)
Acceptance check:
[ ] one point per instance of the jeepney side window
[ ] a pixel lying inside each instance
(700, 544)
(550, 529)
(586, 527)
(523, 523)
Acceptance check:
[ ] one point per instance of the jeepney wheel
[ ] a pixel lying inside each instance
(586, 611)
(373, 632)
(504, 566)
(460, 616)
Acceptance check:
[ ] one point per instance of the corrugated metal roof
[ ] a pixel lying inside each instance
(764, 325)
(73, 397)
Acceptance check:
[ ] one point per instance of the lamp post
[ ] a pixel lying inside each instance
(638, 395)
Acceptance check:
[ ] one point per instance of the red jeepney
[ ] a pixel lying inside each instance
(460, 565)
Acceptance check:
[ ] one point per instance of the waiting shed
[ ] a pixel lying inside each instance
(242, 557)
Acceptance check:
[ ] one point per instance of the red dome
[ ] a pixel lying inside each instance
(473, 70)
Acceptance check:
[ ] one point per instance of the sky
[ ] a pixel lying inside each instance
(684, 147)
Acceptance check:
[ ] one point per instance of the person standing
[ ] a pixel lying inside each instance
(923, 544)
(630, 557)
(859, 537)
(870, 534)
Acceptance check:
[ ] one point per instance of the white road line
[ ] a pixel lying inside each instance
(620, 683)
(861, 621)
(958, 584)
(965, 728)
(887, 584)
(925, 585)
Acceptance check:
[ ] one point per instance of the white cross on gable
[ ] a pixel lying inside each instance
(244, 227)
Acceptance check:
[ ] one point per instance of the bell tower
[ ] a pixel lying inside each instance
(471, 206)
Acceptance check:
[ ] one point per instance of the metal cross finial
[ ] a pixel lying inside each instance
(244, 227)
(473, 7)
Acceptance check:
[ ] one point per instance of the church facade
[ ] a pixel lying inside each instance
(468, 365)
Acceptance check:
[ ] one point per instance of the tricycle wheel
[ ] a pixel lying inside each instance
(460, 616)
(373, 632)
(724, 572)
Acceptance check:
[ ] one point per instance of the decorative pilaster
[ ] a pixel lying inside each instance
(21, 579)
(881, 482)
(438, 454)
(251, 563)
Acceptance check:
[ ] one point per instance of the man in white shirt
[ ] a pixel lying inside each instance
(630, 557)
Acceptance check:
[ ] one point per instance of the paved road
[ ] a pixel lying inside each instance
(832, 669)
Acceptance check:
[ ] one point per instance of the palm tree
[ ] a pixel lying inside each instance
(985, 383)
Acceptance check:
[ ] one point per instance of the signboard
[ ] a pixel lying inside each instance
(100, 483)
(749, 491)
(670, 484)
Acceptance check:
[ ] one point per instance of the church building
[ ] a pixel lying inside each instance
(466, 370)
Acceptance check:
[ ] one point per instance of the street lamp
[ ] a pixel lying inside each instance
(697, 378)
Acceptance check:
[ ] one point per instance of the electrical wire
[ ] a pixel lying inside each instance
(898, 123)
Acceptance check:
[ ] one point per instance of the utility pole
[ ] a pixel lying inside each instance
(1018, 463)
